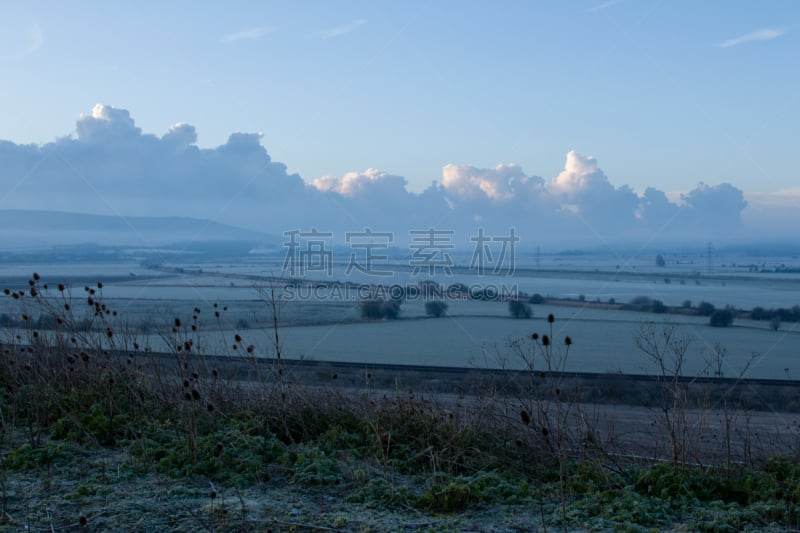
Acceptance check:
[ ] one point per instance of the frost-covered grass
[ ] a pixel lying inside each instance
(96, 435)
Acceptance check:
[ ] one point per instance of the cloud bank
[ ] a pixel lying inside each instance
(109, 166)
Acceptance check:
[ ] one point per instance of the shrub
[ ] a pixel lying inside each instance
(379, 309)
(721, 318)
(536, 299)
(705, 309)
(658, 307)
(436, 308)
(641, 303)
(519, 309)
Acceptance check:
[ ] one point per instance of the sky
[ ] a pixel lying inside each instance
(492, 101)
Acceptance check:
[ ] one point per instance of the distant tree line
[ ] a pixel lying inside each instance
(782, 314)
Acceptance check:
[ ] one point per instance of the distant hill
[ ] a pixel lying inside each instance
(22, 230)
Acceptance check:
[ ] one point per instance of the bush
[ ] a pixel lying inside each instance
(519, 309)
(705, 309)
(658, 307)
(436, 308)
(641, 303)
(536, 299)
(721, 318)
(379, 309)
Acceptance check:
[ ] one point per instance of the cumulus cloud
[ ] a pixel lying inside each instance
(716, 207)
(579, 174)
(655, 209)
(105, 124)
(109, 166)
(586, 191)
(181, 135)
(370, 182)
(499, 184)
(766, 34)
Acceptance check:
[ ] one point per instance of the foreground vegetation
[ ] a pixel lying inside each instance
(98, 434)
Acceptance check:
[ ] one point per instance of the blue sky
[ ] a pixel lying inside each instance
(663, 94)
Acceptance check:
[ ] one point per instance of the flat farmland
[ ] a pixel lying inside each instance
(320, 320)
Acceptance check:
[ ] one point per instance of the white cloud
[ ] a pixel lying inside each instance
(111, 164)
(472, 183)
(37, 39)
(580, 173)
(251, 34)
(765, 34)
(603, 6)
(341, 30)
(106, 123)
(181, 135)
(355, 184)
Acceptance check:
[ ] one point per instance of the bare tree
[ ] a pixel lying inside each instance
(667, 349)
